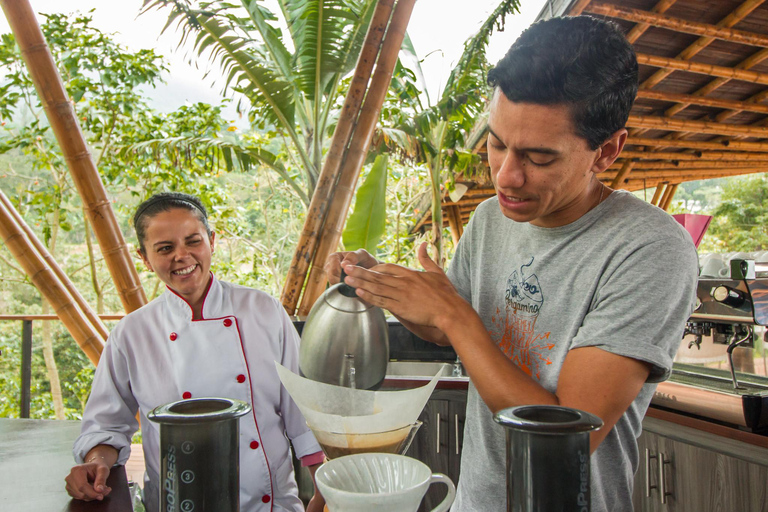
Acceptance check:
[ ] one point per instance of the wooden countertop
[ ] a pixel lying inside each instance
(35, 456)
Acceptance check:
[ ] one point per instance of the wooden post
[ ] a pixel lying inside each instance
(14, 238)
(658, 193)
(626, 168)
(90, 314)
(324, 191)
(63, 121)
(358, 149)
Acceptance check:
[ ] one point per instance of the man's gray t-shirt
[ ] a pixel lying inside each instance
(622, 278)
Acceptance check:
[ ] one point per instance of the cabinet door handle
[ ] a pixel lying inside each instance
(438, 433)
(663, 478)
(648, 486)
(456, 433)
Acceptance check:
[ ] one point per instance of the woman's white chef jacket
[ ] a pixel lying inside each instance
(158, 354)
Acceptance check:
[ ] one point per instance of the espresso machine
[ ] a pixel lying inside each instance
(731, 311)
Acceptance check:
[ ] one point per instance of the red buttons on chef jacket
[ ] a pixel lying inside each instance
(173, 336)
(227, 322)
(266, 498)
(241, 378)
(254, 445)
(186, 395)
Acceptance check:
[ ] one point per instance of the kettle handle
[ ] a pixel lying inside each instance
(345, 289)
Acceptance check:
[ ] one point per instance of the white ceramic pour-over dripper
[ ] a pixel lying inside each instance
(379, 482)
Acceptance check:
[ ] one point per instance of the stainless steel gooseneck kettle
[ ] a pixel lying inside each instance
(345, 341)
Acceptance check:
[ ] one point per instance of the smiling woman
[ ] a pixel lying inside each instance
(202, 338)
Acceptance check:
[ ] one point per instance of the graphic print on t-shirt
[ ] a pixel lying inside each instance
(515, 326)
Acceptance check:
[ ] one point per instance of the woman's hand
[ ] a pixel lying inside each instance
(333, 264)
(88, 481)
(317, 503)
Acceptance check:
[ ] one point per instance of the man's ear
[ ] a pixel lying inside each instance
(610, 150)
(144, 259)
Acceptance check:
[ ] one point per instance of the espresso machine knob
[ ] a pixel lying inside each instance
(728, 296)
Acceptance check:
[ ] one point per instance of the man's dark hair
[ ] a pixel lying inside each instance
(581, 61)
(163, 202)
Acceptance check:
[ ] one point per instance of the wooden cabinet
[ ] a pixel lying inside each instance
(439, 440)
(696, 471)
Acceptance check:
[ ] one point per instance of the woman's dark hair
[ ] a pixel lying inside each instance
(581, 61)
(164, 202)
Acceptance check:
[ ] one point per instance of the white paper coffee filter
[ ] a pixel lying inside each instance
(354, 411)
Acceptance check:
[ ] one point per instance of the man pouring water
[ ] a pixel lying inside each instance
(562, 291)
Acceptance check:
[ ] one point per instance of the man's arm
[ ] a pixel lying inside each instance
(591, 379)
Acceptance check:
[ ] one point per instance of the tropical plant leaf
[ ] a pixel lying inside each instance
(367, 224)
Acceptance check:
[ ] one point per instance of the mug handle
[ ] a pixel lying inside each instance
(448, 501)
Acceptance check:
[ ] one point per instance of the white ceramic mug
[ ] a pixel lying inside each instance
(379, 482)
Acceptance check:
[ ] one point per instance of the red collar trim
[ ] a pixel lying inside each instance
(205, 296)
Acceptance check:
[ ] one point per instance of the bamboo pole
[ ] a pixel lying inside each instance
(640, 184)
(358, 149)
(748, 105)
(685, 125)
(670, 196)
(89, 313)
(757, 98)
(63, 121)
(626, 168)
(324, 191)
(453, 214)
(657, 193)
(702, 69)
(731, 156)
(664, 196)
(639, 29)
(705, 173)
(17, 242)
(729, 145)
(679, 25)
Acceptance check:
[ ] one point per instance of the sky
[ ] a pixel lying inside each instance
(438, 29)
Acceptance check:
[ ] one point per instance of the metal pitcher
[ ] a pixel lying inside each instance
(345, 340)
(199, 454)
(547, 448)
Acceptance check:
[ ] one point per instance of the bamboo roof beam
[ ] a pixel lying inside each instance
(691, 51)
(639, 29)
(684, 125)
(723, 145)
(679, 25)
(63, 121)
(44, 279)
(703, 164)
(749, 105)
(626, 168)
(664, 196)
(702, 69)
(89, 313)
(634, 184)
(730, 156)
(578, 7)
(671, 174)
(358, 149)
(745, 106)
(324, 191)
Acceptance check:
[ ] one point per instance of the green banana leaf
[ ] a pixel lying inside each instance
(366, 225)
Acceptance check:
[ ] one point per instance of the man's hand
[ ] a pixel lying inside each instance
(88, 481)
(415, 297)
(337, 260)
